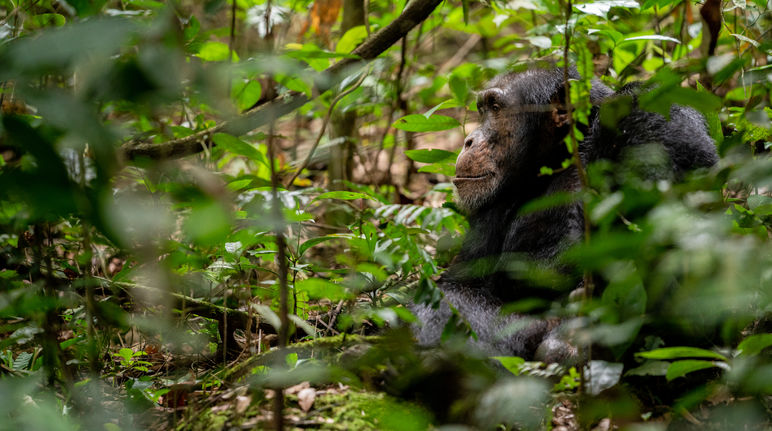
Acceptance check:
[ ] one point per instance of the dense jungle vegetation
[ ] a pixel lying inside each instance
(214, 213)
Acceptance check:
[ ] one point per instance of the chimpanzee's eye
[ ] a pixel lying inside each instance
(495, 107)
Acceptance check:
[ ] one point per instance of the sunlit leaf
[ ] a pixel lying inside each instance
(353, 37)
(246, 93)
(237, 146)
(601, 8)
(754, 344)
(680, 352)
(344, 195)
(431, 156)
(652, 37)
(419, 123)
(216, 51)
(512, 363)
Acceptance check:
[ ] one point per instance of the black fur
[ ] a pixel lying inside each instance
(476, 284)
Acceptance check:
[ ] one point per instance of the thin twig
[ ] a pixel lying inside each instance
(324, 126)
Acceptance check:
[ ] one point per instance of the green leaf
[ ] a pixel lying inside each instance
(650, 368)
(680, 352)
(458, 87)
(344, 195)
(447, 169)
(450, 103)
(208, 223)
(237, 146)
(662, 98)
(431, 156)
(754, 344)
(353, 37)
(623, 56)
(45, 20)
(512, 363)
(652, 37)
(125, 353)
(246, 93)
(602, 7)
(681, 368)
(319, 288)
(291, 359)
(614, 35)
(215, 51)
(419, 123)
(318, 240)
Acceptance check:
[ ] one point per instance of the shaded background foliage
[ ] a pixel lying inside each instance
(135, 278)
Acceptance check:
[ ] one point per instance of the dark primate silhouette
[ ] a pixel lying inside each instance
(523, 123)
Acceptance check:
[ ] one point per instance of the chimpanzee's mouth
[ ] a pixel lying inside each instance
(473, 177)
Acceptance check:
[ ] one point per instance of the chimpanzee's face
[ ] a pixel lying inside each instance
(512, 124)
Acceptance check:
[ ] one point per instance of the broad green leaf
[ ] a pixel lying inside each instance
(344, 195)
(125, 353)
(351, 39)
(614, 35)
(512, 363)
(419, 123)
(661, 99)
(623, 56)
(237, 146)
(447, 169)
(246, 93)
(318, 240)
(208, 223)
(215, 51)
(754, 344)
(541, 42)
(458, 87)
(680, 352)
(431, 156)
(450, 103)
(319, 288)
(681, 368)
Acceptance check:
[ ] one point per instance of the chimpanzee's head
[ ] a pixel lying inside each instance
(522, 124)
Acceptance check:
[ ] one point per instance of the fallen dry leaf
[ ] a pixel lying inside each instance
(306, 398)
(242, 403)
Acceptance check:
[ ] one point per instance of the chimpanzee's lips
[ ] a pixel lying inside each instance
(472, 177)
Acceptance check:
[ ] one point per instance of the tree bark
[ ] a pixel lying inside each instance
(344, 124)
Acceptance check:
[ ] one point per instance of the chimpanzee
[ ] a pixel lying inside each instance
(523, 123)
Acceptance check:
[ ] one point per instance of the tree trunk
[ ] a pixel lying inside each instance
(344, 125)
